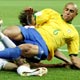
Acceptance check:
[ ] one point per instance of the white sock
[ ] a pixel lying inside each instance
(7, 41)
(2, 46)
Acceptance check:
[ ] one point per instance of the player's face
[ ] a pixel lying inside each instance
(69, 13)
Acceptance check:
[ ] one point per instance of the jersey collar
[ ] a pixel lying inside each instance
(67, 21)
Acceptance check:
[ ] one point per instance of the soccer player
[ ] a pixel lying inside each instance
(51, 32)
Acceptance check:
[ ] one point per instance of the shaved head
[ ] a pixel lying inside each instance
(70, 11)
(75, 6)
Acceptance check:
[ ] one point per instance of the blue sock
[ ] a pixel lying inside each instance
(10, 53)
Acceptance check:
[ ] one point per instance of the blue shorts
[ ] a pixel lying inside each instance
(33, 37)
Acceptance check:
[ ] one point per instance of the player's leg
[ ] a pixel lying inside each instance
(76, 61)
(2, 63)
(10, 53)
(13, 32)
(56, 65)
(6, 65)
(10, 66)
(5, 39)
(61, 56)
(7, 42)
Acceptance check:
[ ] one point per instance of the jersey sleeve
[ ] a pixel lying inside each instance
(73, 45)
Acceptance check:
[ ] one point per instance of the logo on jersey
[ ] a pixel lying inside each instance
(38, 13)
(69, 31)
(55, 32)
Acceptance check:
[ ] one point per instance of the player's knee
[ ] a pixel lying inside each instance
(6, 32)
(13, 32)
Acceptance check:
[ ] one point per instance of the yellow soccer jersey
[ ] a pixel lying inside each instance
(44, 16)
(56, 32)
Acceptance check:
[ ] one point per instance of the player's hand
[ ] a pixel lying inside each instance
(76, 61)
(28, 50)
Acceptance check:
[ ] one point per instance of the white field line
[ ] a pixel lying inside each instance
(77, 25)
(64, 50)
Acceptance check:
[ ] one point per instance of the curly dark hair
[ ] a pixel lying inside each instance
(25, 16)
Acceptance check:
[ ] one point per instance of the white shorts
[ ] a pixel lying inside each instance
(3, 62)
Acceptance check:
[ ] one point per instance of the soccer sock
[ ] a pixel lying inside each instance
(10, 53)
(8, 43)
(2, 47)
